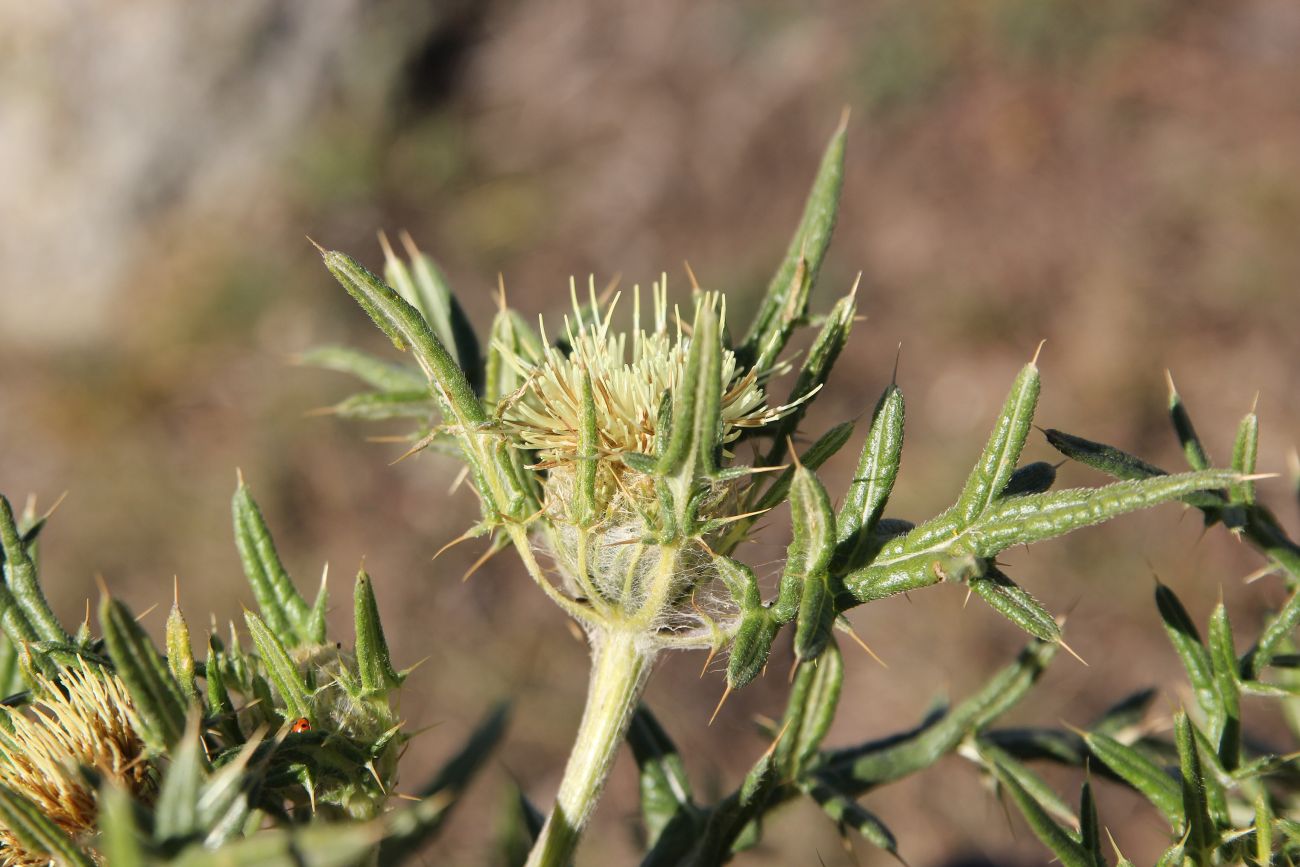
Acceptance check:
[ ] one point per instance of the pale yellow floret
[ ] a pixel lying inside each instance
(86, 719)
(631, 372)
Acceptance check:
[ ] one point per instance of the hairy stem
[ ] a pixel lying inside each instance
(619, 665)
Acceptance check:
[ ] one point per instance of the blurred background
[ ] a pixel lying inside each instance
(1120, 177)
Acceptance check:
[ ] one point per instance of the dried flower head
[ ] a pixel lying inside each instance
(84, 720)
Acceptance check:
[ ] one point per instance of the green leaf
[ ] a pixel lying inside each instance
(588, 459)
(1090, 826)
(809, 711)
(1120, 464)
(490, 467)
(1140, 772)
(873, 481)
(20, 578)
(384, 405)
(1186, 640)
(510, 337)
(157, 696)
(373, 663)
(845, 811)
(1063, 845)
(665, 789)
(180, 655)
(816, 368)
(1223, 662)
(1034, 478)
(1037, 517)
(781, 307)
(857, 769)
(1001, 453)
(945, 546)
(1193, 450)
(410, 829)
(751, 647)
(1201, 837)
(177, 811)
(1014, 603)
(808, 555)
(992, 755)
(817, 454)
(697, 401)
(278, 600)
(1244, 452)
(424, 286)
(31, 827)
(370, 370)
(281, 669)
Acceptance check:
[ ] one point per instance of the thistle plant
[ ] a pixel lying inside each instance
(625, 456)
(282, 751)
(614, 460)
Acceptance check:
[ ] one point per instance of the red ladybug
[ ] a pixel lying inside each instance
(300, 725)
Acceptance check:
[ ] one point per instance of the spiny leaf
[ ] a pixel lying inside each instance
(1193, 450)
(751, 647)
(20, 576)
(119, 838)
(816, 368)
(857, 769)
(807, 248)
(1244, 452)
(1120, 464)
(430, 292)
(1140, 772)
(1001, 453)
(281, 670)
(1034, 478)
(1186, 640)
(155, 692)
(696, 401)
(812, 541)
(923, 556)
(873, 480)
(1068, 850)
(278, 600)
(665, 789)
(180, 655)
(177, 812)
(810, 710)
(384, 405)
(847, 812)
(1223, 662)
(319, 844)
(370, 370)
(1016, 604)
(993, 757)
(373, 663)
(1201, 837)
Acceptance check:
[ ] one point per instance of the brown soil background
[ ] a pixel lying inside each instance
(1120, 177)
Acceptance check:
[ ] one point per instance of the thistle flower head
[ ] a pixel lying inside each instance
(85, 720)
(632, 372)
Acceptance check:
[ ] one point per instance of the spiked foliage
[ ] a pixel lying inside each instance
(284, 752)
(615, 452)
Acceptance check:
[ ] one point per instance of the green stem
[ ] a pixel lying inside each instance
(620, 663)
